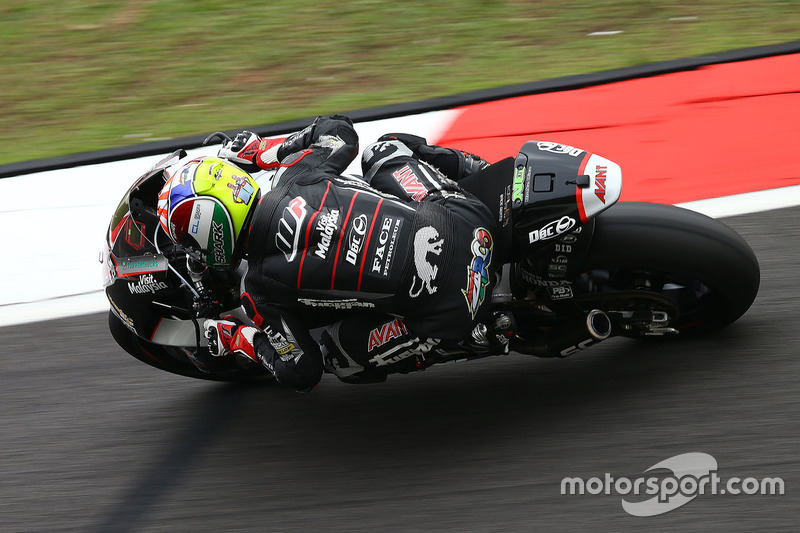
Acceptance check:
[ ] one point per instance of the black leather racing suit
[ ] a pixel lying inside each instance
(388, 265)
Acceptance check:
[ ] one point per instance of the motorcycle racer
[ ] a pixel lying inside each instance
(375, 265)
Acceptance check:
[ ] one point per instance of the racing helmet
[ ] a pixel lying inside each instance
(205, 205)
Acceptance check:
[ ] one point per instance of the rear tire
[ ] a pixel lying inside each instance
(716, 269)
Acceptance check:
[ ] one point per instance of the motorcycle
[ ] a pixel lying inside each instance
(582, 267)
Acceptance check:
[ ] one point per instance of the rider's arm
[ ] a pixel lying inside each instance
(332, 135)
(331, 138)
(328, 146)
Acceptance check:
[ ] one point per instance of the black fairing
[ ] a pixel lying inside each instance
(136, 269)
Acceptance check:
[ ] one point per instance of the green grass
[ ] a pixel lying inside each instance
(85, 75)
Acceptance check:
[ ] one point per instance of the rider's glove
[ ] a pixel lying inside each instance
(230, 336)
(252, 152)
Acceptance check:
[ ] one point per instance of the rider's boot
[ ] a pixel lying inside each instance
(497, 335)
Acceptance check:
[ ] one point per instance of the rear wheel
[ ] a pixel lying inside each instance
(661, 266)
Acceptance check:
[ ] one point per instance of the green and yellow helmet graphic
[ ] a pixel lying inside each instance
(205, 205)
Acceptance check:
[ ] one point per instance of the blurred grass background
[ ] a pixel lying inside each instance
(85, 75)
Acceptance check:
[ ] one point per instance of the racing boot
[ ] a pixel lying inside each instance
(496, 337)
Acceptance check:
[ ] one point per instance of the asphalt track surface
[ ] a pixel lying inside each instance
(93, 440)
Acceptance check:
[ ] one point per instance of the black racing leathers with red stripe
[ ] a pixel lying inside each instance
(410, 245)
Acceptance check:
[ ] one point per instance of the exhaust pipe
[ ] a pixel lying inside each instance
(567, 338)
(598, 324)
